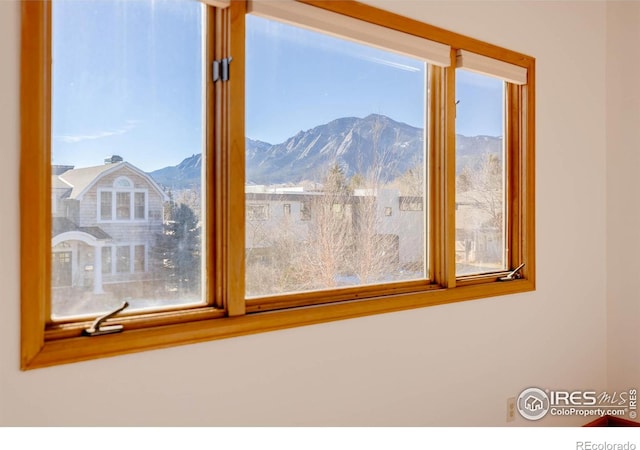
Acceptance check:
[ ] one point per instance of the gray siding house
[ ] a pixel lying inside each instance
(104, 221)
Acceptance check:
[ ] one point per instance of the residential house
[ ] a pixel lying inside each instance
(104, 220)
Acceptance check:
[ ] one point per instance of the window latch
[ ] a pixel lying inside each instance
(513, 275)
(221, 69)
(97, 329)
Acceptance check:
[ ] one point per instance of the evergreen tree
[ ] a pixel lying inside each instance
(177, 250)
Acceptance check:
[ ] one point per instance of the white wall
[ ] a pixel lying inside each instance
(623, 194)
(448, 365)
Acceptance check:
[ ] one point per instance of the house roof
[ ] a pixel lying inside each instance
(82, 179)
(58, 183)
(61, 225)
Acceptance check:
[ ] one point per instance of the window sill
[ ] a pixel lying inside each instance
(59, 348)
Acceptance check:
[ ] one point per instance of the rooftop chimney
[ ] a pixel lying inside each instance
(113, 159)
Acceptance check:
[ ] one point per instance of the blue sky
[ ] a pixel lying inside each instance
(480, 107)
(127, 80)
(297, 79)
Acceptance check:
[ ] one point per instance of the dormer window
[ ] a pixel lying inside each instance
(122, 202)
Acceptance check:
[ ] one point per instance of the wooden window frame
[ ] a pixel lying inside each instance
(227, 312)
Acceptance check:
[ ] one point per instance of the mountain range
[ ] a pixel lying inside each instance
(359, 145)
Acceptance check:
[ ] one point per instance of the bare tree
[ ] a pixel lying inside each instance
(480, 190)
(330, 234)
(347, 239)
(484, 186)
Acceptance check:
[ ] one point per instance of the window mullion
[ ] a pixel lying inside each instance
(132, 197)
(436, 151)
(444, 173)
(512, 201)
(234, 103)
(114, 205)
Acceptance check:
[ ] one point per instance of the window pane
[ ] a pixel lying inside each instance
(123, 205)
(139, 258)
(123, 259)
(127, 76)
(335, 137)
(139, 205)
(480, 174)
(61, 269)
(106, 260)
(105, 205)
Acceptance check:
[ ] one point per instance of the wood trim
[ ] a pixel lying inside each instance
(71, 350)
(414, 27)
(136, 322)
(225, 197)
(438, 145)
(35, 178)
(450, 175)
(212, 197)
(527, 233)
(336, 295)
(435, 126)
(513, 199)
(236, 164)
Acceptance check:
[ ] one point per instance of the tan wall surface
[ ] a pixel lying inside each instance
(623, 192)
(448, 365)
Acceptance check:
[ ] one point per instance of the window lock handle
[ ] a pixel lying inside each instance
(513, 275)
(97, 329)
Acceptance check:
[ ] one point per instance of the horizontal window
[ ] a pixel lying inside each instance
(273, 156)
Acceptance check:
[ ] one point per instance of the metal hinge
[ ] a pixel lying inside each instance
(221, 69)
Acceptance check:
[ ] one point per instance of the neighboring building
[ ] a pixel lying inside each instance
(398, 218)
(273, 212)
(104, 221)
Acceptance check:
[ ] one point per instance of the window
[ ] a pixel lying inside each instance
(121, 201)
(123, 262)
(123, 205)
(480, 178)
(411, 204)
(106, 260)
(305, 210)
(123, 259)
(257, 212)
(105, 205)
(122, 182)
(139, 258)
(139, 206)
(187, 226)
(61, 269)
